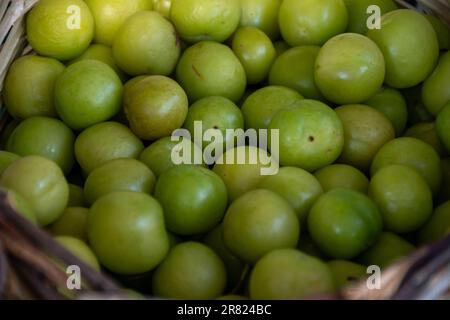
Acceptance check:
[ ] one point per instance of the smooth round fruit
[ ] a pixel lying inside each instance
(438, 226)
(211, 69)
(118, 175)
(6, 158)
(109, 15)
(342, 176)
(127, 233)
(29, 86)
(216, 114)
(155, 107)
(443, 126)
(146, 43)
(358, 17)
(86, 93)
(346, 272)
(194, 199)
(80, 250)
(413, 153)
(247, 169)
(72, 222)
(41, 183)
(261, 105)
(404, 69)
(289, 274)
(297, 186)
(295, 69)
(344, 223)
(158, 156)
(258, 222)
(442, 31)
(366, 130)
(392, 104)
(435, 90)
(262, 14)
(60, 29)
(311, 135)
(427, 132)
(387, 250)
(110, 140)
(255, 51)
(403, 198)
(162, 6)
(311, 22)
(199, 20)
(46, 137)
(349, 69)
(76, 196)
(191, 270)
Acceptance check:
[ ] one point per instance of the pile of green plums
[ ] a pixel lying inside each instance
(362, 152)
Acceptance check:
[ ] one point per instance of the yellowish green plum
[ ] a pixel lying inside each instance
(342, 176)
(346, 272)
(118, 175)
(200, 20)
(443, 126)
(438, 226)
(162, 6)
(109, 15)
(211, 69)
(404, 69)
(262, 14)
(295, 69)
(146, 43)
(258, 222)
(255, 51)
(60, 29)
(435, 90)
(300, 276)
(41, 183)
(72, 222)
(191, 271)
(110, 140)
(349, 69)
(28, 87)
(311, 22)
(155, 106)
(6, 158)
(403, 197)
(80, 250)
(427, 132)
(366, 130)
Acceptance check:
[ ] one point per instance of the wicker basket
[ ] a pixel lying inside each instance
(32, 263)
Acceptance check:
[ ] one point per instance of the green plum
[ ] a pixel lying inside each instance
(41, 183)
(110, 140)
(311, 22)
(404, 69)
(155, 107)
(127, 233)
(427, 132)
(199, 20)
(402, 196)
(392, 104)
(438, 226)
(86, 93)
(387, 250)
(194, 199)
(435, 90)
(358, 16)
(346, 272)
(295, 69)
(311, 135)
(262, 14)
(46, 137)
(162, 6)
(191, 270)
(343, 223)
(255, 51)
(260, 106)
(29, 84)
(211, 69)
(258, 222)
(442, 31)
(366, 130)
(297, 186)
(80, 250)
(290, 274)
(413, 153)
(146, 43)
(118, 175)
(76, 196)
(6, 158)
(72, 222)
(342, 176)
(443, 126)
(349, 69)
